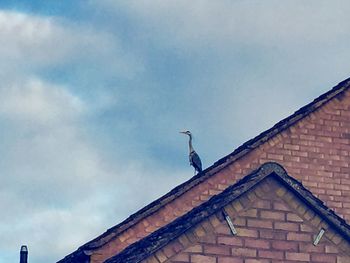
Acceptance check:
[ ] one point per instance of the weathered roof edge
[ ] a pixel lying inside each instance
(160, 238)
(217, 166)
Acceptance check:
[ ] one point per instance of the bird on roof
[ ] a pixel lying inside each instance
(194, 159)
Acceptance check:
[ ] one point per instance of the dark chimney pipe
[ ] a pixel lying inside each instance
(24, 255)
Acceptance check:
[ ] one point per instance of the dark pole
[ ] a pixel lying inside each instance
(24, 255)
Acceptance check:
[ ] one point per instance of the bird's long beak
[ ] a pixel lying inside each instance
(183, 132)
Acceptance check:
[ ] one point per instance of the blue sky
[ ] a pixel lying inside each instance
(93, 95)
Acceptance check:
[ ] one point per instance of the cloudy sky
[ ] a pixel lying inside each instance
(93, 94)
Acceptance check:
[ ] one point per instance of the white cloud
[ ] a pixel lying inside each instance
(32, 39)
(29, 43)
(34, 101)
(47, 166)
(47, 150)
(52, 232)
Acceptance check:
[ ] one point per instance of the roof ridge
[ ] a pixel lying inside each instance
(161, 237)
(213, 169)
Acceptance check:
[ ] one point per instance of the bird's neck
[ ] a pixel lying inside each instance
(190, 144)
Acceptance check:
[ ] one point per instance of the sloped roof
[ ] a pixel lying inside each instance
(242, 150)
(150, 244)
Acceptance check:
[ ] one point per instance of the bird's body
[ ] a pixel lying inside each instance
(194, 159)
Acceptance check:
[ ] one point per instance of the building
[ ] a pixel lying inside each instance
(261, 203)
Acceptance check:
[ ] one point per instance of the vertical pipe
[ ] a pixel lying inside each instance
(24, 255)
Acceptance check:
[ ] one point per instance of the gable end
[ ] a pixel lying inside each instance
(157, 240)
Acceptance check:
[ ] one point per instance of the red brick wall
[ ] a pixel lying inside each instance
(315, 151)
(273, 225)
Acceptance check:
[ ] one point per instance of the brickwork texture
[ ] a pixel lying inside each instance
(273, 225)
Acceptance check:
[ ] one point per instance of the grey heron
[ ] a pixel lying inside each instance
(194, 159)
